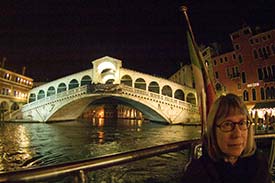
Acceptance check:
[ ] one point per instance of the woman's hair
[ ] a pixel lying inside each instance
(223, 107)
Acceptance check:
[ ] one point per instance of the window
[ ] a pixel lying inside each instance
(260, 52)
(225, 59)
(245, 96)
(221, 60)
(255, 54)
(215, 62)
(218, 87)
(237, 47)
(234, 56)
(240, 59)
(265, 52)
(260, 74)
(269, 72)
(265, 73)
(262, 94)
(237, 70)
(268, 50)
(273, 48)
(251, 41)
(246, 31)
(253, 94)
(268, 93)
(239, 86)
(235, 36)
(217, 75)
(228, 73)
(243, 77)
(272, 92)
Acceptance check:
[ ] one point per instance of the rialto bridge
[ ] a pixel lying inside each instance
(66, 98)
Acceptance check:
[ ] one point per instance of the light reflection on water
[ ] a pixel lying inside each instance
(38, 144)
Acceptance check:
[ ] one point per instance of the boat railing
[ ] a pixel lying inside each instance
(272, 147)
(79, 169)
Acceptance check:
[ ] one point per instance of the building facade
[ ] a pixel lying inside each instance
(183, 76)
(248, 70)
(14, 88)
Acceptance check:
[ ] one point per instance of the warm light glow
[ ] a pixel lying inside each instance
(101, 122)
(252, 85)
(107, 77)
(105, 65)
(101, 114)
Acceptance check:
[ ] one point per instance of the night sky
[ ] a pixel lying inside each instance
(56, 38)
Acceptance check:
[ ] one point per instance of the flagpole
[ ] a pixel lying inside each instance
(184, 10)
(201, 95)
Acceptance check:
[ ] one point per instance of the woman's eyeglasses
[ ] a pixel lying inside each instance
(228, 126)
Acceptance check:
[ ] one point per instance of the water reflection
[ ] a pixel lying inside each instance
(39, 144)
(14, 147)
(103, 125)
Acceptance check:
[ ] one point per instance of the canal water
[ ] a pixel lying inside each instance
(28, 145)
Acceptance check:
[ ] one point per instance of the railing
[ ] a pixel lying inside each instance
(80, 168)
(156, 96)
(64, 94)
(272, 148)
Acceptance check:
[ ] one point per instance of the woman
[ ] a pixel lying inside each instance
(230, 155)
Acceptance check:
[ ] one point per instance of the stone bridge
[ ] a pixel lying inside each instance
(157, 98)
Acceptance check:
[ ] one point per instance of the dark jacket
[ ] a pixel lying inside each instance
(253, 169)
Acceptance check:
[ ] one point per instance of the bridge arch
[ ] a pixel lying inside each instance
(73, 84)
(4, 106)
(127, 80)
(50, 91)
(154, 87)
(166, 90)
(41, 94)
(61, 87)
(32, 97)
(14, 106)
(140, 84)
(191, 98)
(179, 94)
(85, 80)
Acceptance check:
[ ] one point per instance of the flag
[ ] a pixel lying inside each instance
(206, 94)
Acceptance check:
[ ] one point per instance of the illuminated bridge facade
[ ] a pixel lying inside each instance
(157, 98)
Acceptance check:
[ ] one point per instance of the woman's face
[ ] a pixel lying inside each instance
(232, 143)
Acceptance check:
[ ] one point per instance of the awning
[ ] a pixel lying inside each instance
(261, 105)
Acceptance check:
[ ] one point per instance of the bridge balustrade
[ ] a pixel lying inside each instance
(65, 94)
(172, 101)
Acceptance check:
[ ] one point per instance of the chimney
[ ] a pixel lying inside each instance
(23, 70)
(3, 62)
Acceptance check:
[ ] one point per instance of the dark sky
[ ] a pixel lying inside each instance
(56, 38)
